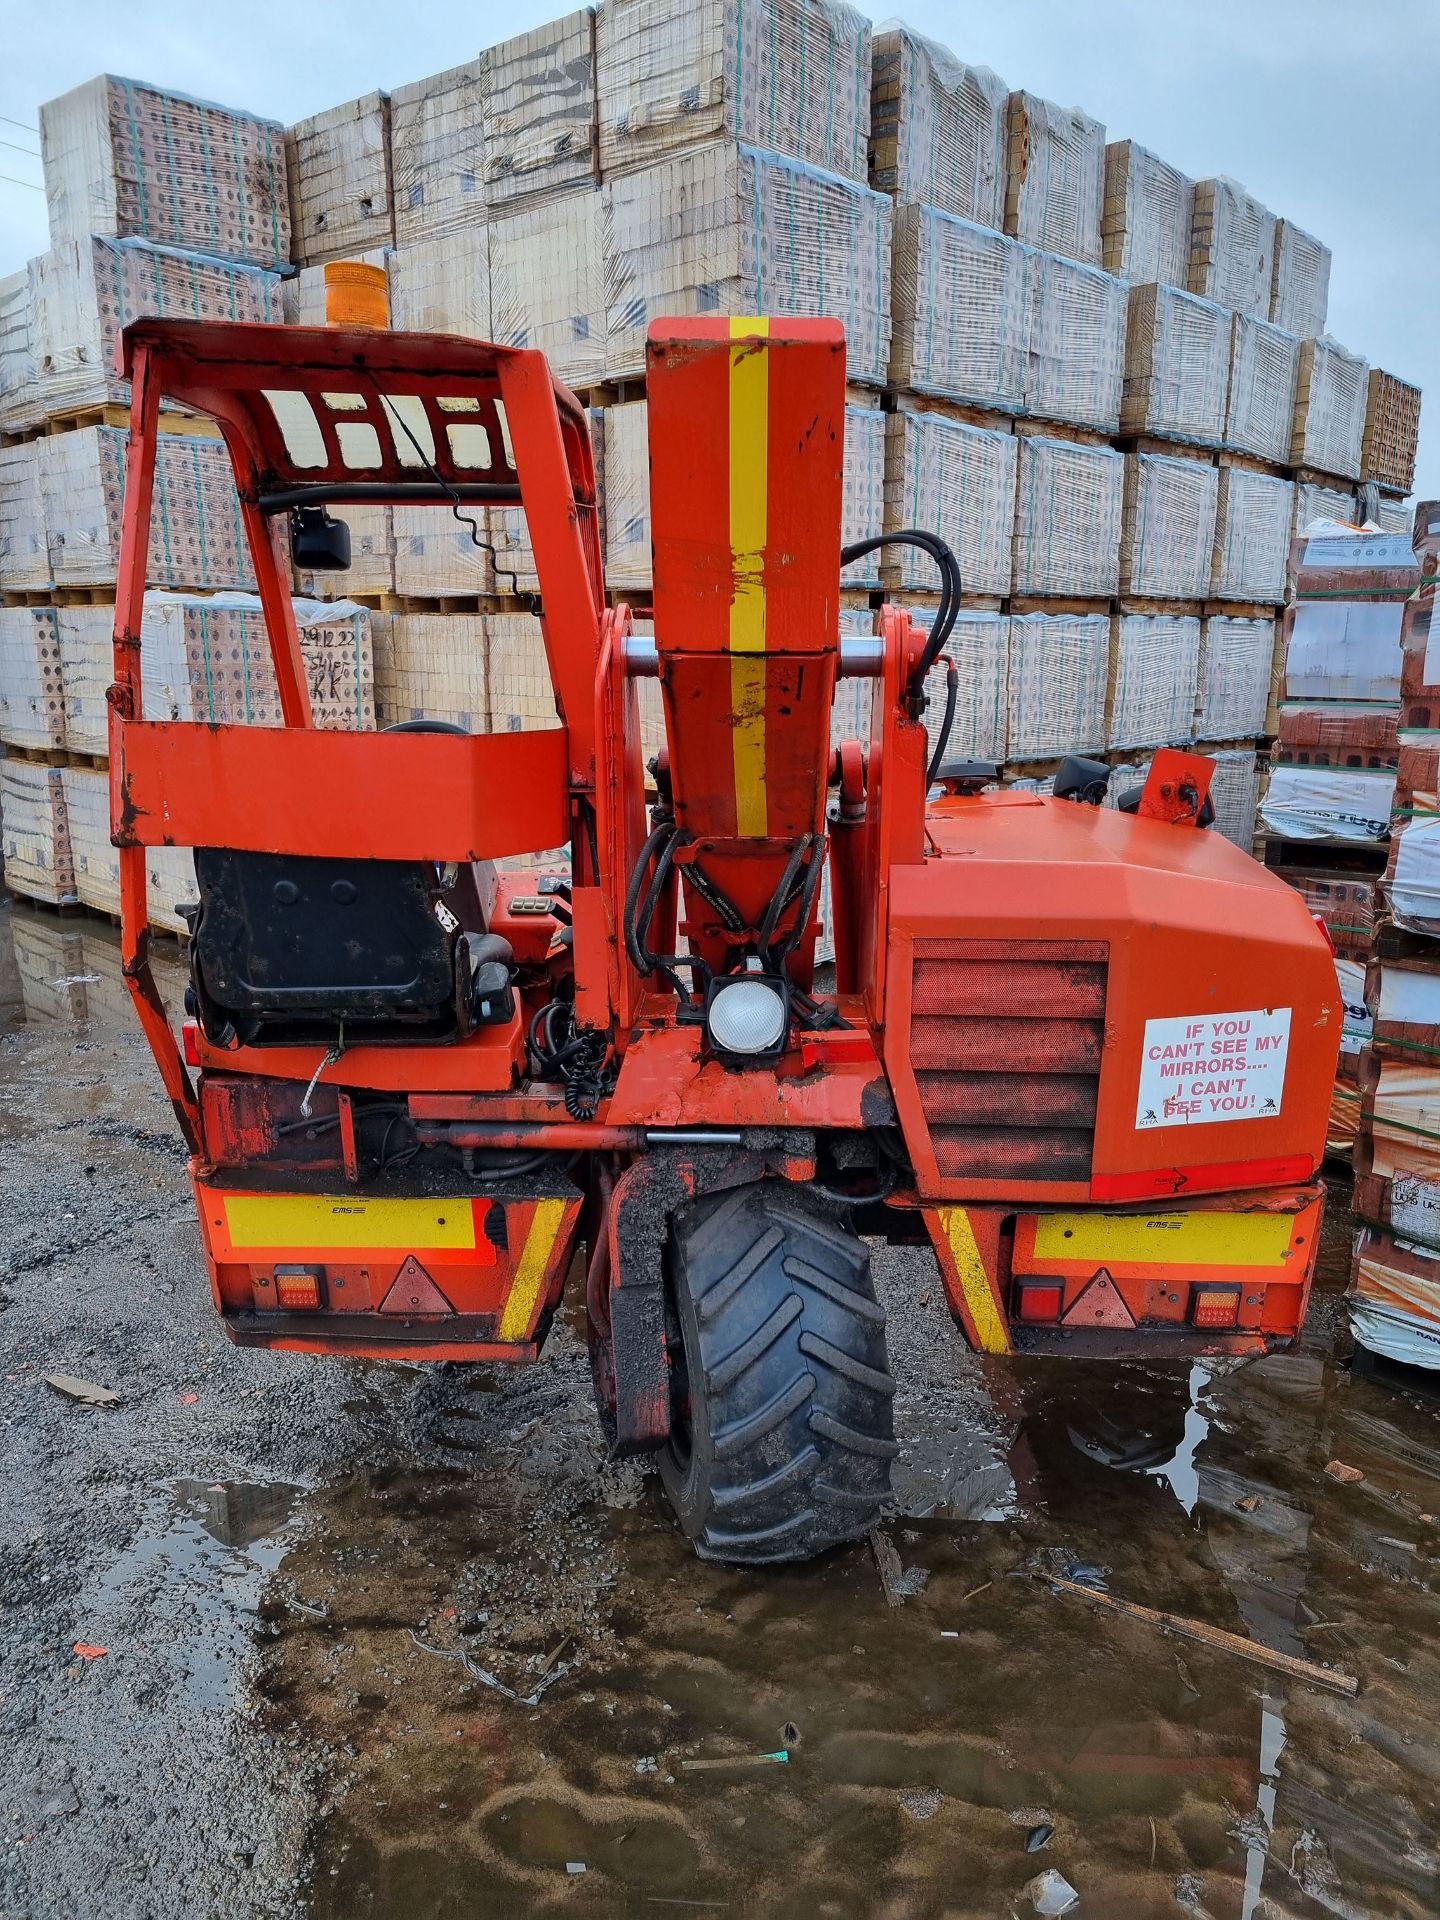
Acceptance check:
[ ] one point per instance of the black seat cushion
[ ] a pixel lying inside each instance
(284, 938)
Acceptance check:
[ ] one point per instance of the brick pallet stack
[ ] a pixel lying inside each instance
(158, 205)
(1395, 1279)
(1326, 812)
(1109, 386)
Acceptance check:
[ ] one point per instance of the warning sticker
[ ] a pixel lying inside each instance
(1214, 1066)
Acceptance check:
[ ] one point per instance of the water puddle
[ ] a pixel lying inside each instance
(187, 1590)
(924, 1740)
(63, 969)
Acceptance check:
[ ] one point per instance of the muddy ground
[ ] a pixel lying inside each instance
(329, 1593)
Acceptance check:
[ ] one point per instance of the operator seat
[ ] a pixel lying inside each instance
(291, 949)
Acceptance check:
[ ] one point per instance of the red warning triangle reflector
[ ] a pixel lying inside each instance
(413, 1291)
(1101, 1304)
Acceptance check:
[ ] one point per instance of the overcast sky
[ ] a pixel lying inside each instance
(1326, 111)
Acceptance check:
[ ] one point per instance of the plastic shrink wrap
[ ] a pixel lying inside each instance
(24, 554)
(1252, 537)
(937, 127)
(791, 76)
(1068, 502)
(547, 283)
(1076, 363)
(1058, 668)
(1167, 529)
(1150, 697)
(340, 184)
(83, 294)
(727, 229)
(959, 481)
(1233, 683)
(1177, 366)
(432, 666)
(962, 311)
(34, 833)
(122, 158)
(1300, 283)
(197, 538)
(1149, 208)
(32, 688)
(1055, 177)
(1260, 411)
(1232, 247)
(1331, 391)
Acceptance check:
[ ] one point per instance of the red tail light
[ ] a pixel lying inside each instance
(1038, 1302)
(298, 1290)
(190, 1042)
(1215, 1306)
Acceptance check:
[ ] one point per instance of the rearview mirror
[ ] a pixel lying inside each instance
(318, 544)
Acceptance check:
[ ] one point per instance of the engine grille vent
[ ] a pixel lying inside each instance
(1006, 1038)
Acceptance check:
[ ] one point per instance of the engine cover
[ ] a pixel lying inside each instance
(1086, 1005)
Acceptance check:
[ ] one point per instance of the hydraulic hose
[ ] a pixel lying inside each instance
(950, 588)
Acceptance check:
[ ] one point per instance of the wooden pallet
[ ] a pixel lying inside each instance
(1158, 443)
(1024, 426)
(923, 598)
(1342, 856)
(1314, 477)
(1241, 609)
(1028, 429)
(54, 757)
(1159, 609)
(967, 415)
(1023, 603)
(62, 907)
(1392, 942)
(1243, 462)
(611, 393)
(471, 603)
(111, 413)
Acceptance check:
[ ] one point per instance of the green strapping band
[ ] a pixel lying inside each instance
(739, 52)
(139, 169)
(1405, 1046)
(278, 255)
(1404, 1126)
(209, 178)
(162, 497)
(199, 501)
(770, 142)
(209, 667)
(176, 226)
(759, 235)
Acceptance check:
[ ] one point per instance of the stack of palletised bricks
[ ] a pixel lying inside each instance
(733, 147)
(1395, 1279)
(1326, 812)
(158, 205)
(1107, 385)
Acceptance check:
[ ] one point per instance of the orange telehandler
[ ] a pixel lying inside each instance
(1082, 1053)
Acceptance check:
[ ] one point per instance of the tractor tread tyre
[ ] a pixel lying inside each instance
(791, 1428)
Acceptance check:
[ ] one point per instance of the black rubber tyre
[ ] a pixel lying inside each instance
(786, 1446)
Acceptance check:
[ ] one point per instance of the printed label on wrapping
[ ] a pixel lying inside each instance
(1212, 1067)
(1415, 1209)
